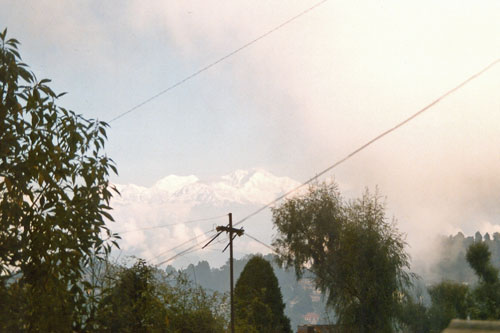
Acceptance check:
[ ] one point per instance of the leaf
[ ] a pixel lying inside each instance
(103, 131)
(13, 42)
(107, 215)
(114, 170)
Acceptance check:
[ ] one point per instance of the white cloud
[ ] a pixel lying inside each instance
(174, 200)
(315, 90)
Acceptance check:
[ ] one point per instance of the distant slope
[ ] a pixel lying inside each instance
(452, 264)
(299, 296)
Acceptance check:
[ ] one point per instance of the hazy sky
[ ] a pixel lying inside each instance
(294, 102)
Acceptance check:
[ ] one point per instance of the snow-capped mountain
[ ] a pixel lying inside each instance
(254, 186)
(153, 219)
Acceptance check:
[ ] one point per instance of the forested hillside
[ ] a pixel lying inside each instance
(452, 264)
(303, 303)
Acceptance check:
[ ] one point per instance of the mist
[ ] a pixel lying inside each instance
(294, 102)
(342, 74)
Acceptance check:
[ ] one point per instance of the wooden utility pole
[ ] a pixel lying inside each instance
(237, 232)
(231, 268)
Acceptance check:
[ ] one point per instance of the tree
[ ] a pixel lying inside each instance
(133, 303)
(192, 309)
(486, 296)
(449, 301)
(258, 300)
(478, 256)
(143, 298)
(356, 255)
(414, 317)
(54, 199)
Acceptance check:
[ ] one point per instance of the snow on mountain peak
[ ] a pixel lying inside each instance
(174, 199)
(255, 186)
(236, 178)
(240, 177)
(173, 183)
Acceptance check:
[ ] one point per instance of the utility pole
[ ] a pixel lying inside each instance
(231, 268)
(233, 232)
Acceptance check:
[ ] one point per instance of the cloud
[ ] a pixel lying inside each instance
(339, 75)
(187, 208)
(310, 93)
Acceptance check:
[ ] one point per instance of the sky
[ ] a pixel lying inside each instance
(292, 103)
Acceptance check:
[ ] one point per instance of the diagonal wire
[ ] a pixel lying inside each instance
(356, 151)
(190, 249)
(172, 224)
(378, 137)
(180, 254)
(203, 69)
(258, 241)
(188, 241)
(182, 244)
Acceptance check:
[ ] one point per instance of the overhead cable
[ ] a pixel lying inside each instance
(258, 241)
(173, 224)
(356, 151)
(201, 70)
(190, 249)
(182, 244)
(378, 137)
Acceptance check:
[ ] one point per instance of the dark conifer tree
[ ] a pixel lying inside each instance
(258, 300)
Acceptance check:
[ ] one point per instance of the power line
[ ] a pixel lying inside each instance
(183, 252)
(190, 249)
(203, 69)
(173, 224)
(195, 248)
(183, 243)
(356, 151)
(186, 242)
(258, 241)
(378, 137)
(180, 254)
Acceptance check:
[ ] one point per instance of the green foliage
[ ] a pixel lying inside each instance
(192, 309)
(486, 296)
(478, 256)
(133, 304)
(300, 297)
(456, 300)
(449, 301)
(356, 255)
(54, 200)
(144, 299)
(258, 301)
(414, 317)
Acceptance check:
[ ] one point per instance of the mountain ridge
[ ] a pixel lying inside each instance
(253, 186)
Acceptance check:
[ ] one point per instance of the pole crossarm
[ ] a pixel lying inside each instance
(238, 232)
(210, 241)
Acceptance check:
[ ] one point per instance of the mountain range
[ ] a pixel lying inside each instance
(174, 200)
(255, 186)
